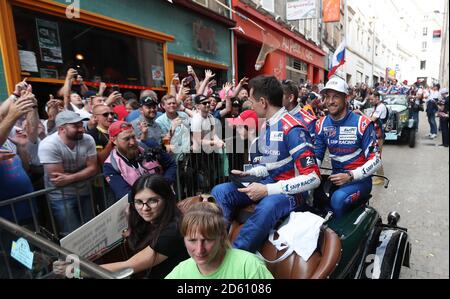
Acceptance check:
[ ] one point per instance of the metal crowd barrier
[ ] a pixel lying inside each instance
(43, 220)
(198, 173)
(44, 253)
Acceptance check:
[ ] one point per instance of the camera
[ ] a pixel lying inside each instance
(115, 88)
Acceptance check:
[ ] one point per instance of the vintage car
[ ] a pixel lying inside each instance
(400, 125)
(357, 246)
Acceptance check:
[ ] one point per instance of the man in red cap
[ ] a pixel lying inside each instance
(131, 159)
(247, 127)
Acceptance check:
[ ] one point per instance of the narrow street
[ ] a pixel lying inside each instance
(419, 191)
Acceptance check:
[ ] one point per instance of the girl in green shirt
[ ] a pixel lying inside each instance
(205, 235)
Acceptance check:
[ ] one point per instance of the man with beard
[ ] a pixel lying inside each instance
(69, 158)
(352, 143)
(145, 127)
(131, 159)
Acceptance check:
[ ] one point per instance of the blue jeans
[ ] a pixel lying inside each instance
(67, 213)
(258, 226)
(349, 195)
(432, 122)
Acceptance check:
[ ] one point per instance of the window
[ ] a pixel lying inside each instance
(423, 64)
(424, 46)
(359, 77)
(425, 31)
(49, 45)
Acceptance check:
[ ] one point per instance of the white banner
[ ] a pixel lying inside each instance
(100, 233)
(301, 9)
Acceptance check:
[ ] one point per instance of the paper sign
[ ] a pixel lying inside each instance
(28, 61)
(100, 233)
(49, 43)
(20, 251)
(157, 73)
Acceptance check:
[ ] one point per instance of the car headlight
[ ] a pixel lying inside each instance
(403, 117)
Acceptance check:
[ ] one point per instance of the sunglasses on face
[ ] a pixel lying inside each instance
(106, 114)
(205, 103)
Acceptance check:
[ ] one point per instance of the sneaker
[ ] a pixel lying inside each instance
(433, 136)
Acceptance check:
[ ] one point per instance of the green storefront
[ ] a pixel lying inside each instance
(135, 44)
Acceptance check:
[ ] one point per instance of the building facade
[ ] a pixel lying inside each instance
(289, 54)
(135, 44)
(444, 67)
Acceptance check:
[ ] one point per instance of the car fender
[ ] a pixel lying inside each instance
(392, 251)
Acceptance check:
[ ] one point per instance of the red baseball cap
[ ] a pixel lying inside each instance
(247, 118)
(118, 127)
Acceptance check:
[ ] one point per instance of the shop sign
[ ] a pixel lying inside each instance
(301, 9)
(204, 38)
(295, 49)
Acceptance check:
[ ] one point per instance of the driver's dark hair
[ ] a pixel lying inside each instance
(143, 233)
(269, 88)
(290, 88)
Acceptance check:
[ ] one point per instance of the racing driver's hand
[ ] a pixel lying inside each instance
(255, 191)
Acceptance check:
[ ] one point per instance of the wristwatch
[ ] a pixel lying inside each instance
(350, 175)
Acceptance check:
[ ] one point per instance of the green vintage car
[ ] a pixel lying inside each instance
(400, 124)
(356, 246)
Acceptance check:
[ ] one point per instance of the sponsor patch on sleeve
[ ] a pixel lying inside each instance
(307, 161)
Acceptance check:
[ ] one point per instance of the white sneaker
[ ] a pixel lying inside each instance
(433, 136)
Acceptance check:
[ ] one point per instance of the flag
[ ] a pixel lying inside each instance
(338, 58)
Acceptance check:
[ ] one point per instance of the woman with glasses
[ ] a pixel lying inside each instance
(205, 235)
(154, 235)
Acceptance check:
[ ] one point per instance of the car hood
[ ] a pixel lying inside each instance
(397, 108)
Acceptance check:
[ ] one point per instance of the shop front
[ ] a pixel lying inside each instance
(40, 43)
(282, 53)
(202, 40)
(133, 44)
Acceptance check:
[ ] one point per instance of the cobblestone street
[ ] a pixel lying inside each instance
(419, 191)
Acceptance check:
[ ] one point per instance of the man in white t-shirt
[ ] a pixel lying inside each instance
(69, 157)
(204, 128)
(379, 118)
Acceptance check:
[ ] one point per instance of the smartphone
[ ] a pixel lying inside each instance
(115, 88)
(189, 82)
